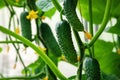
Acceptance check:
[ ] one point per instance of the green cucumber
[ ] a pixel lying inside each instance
(49, 39)
(25, 26)
(70, 12)
(65, 41)
(92, 68)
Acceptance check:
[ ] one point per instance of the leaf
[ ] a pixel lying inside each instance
(33, 67)
(50, 13)
(98, 9)
(115, 29)
(2, 4)
(0, 49)
(44, 5)
(109, 61)
(102, 48)
(17, 3)
(108, 77)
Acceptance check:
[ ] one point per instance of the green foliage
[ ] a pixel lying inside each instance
(109, 61)
(2, 4)
(0, 49)
(98, 9)
(101, 52)
(20, 3)
(115, 29)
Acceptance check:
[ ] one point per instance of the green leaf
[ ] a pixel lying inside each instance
(33, 67)
(50, 13)
(44, 5)
(109, 61)
(98, 9)
(20, 3)
(115, 29)
(0, 49)
(108, 77)
(2, 4)
(102, 48)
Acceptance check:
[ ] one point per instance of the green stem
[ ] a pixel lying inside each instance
(103, 24)
(57, 5)
(81, 50)
(91, 23)
(40, 52)
(4, 42)
(21, 77)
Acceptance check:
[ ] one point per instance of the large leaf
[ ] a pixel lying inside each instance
(2, 4)
(44, 5)
(115, 29)
(109, 61)
(98, 9)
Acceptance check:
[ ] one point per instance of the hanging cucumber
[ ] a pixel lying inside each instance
(65, 41)
(25, 26)
(49, 39)
(70, 12)
(92, 68)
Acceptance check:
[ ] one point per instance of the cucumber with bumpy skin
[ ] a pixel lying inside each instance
(65, 41)
(25, 26)
(70, 12)
(92, 68)
(49, 39)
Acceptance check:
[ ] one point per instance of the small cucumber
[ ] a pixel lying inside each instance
(70, 12)
(49, 39)
(25, 26)
(92, 68)
(65, 41)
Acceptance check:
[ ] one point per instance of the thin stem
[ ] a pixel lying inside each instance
(39, 52)
(4, 42)
(57, 5)
(104, 22)
(21, 77)
(81, 50)
(91, 23)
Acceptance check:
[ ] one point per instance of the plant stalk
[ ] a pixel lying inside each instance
(104, 22)
(41, 53)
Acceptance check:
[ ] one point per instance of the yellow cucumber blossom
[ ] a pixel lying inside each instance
(17, 30)
(17, 1)
(87, 35)
(32, 15)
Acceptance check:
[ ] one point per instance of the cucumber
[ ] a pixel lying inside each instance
(92, 68)
(69, 7)
(49, 39)
(65, 41)
(25, 26)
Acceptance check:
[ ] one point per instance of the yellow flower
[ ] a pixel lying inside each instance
(43, 17)
(45, 78)
(87, 35)
(32, 15)
(17, 1)
(17, 30)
